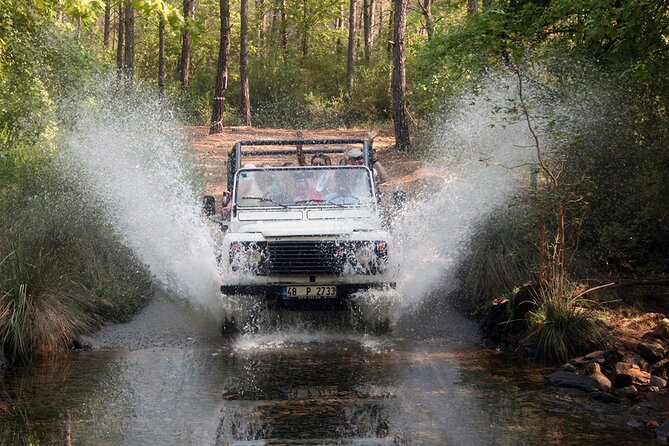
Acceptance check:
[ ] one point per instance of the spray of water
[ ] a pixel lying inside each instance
(128, 158)
(476, 148)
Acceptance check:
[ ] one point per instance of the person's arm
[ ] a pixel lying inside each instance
(381, 171)
(301, 159)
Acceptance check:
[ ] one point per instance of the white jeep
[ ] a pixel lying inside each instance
(304, 234)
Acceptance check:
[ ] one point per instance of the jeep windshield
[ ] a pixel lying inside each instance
(339, 186)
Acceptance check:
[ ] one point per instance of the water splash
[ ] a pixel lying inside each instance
(127, 156)
(475, 150)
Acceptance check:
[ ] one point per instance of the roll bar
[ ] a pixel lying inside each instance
(235, 155)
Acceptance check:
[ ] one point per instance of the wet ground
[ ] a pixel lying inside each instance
(169, 378)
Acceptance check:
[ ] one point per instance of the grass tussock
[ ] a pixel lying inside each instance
(560, 327)
(62, 274)
(41, 310)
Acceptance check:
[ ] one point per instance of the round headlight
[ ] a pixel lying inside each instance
(253, 258)
(363, 255)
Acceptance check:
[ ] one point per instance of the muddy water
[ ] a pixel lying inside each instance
(169, 378)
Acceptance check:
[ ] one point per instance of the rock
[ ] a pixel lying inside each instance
(605, 397)
(634, 423)
(628, 392)
(84, 343)
(629, 374)
(589, 383)
(593, 356)
(568, 367)
(660, 368)
(661, 330)
(662, 432)
(636, 359)
(651, 389)
(658, 382)
(581, 361)
(594, 371)
(651, 350)
(652, 424)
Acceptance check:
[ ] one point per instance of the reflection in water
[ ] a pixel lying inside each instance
(324, 391)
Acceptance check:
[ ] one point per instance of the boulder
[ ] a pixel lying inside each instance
(661, 330)
(84, 343)
(662, 432)
(588, 383)
(605, 397)
(568, 367)
(658, 382)
(625, 374)
(627, 392)
(594, 371)
(660, 368)
(652, 350)
(636, 359)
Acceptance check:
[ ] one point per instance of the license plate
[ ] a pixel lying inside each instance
(311, 292)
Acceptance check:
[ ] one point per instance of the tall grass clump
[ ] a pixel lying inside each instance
(62, 275)
(62, 271)
(560, 327)
(41, 309)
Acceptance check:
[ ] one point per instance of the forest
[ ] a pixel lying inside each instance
(597, 209)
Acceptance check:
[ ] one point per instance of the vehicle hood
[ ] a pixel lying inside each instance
(305, 227)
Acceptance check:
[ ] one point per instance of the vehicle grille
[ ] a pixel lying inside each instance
(305, 258)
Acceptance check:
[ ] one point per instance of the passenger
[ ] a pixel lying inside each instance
(321, 159)
(350, 187)
(354, 157)
(247, 187)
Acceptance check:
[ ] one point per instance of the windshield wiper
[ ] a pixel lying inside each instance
(339, 205)
(267, 199)
(320, 201)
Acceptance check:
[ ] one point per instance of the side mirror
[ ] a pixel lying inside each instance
(209, 205)
(225, 201)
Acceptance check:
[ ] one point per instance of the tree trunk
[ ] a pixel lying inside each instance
(426, 10)
(340, 29)
(221, 87)
(129, 61)
(184, 61)
(161, 57)
(284, 26)
(351, 50)
(472, 7)
(119, 46)
(107, 20)
(391, 31)
(261, 22)
(244, 62)
(402, 141)
(367, 12)
(305, 30)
